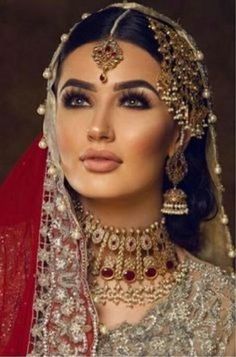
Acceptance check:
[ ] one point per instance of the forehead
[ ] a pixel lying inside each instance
(137, 63)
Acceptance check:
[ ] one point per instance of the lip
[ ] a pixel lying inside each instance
(100, 161)
(100, 165)
(100, 154)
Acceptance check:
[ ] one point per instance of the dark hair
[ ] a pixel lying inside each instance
(184, 230)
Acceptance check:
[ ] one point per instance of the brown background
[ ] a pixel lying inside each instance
(30, 31)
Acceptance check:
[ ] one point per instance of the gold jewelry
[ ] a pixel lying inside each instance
(175, 199)
(179, 84)
(141, 295)
(108, 54)
(124, 260)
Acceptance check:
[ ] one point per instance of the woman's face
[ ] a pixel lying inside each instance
(124, 116)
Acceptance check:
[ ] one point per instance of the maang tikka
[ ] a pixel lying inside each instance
(108, 54)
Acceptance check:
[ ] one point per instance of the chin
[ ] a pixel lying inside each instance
(98, 194)
(101, 191)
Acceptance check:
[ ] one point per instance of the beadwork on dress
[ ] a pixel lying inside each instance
(196, 319)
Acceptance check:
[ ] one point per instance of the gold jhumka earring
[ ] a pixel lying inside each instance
(108, 54)
(175, 199)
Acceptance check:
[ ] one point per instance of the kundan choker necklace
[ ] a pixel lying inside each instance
(135, 266)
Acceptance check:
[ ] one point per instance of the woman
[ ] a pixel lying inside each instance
(113, 224)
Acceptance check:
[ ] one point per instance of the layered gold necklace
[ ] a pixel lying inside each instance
(135, 266)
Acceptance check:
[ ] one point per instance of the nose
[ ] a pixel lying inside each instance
(100, 127)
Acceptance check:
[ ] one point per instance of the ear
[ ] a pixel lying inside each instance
(181, 138)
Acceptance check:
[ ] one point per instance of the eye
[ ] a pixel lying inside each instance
(75, 99)
(135, 99)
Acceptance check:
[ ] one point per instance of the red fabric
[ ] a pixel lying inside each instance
(20, 211)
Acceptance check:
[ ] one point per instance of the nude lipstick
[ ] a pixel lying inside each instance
(100, 161)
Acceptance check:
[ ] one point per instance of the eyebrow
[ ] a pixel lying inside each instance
(79, 84)
(117, 87)
(135, 84)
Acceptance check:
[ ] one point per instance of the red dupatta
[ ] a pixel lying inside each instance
(24, 201)
(20, 210)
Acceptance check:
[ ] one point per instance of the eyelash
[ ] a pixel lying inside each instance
(70, 95)
(135, 95)
(139, 98)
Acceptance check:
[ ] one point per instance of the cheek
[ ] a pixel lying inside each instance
(151, 141)
(63, 134)
(67, 139)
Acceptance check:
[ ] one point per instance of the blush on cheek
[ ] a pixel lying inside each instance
(152, 142)
(64, 138)
(66, 155)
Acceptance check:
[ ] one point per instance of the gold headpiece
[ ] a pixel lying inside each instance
(181, 85)
(108, 54)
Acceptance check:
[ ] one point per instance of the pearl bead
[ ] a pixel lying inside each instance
(41, 109)
(75, 234)
(218, 169)
(233, 275)
(52, 170)
(64, 37)
(206, 93)
(212, 118)
(225, 219)
(199, 56)
(61, 207)
(42, 144)
(85, 15)
(47, 74)
(232, 253)
(60, 204)
(103, 329)
(95, 299)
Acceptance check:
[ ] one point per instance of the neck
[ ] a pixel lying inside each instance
(127, 211)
